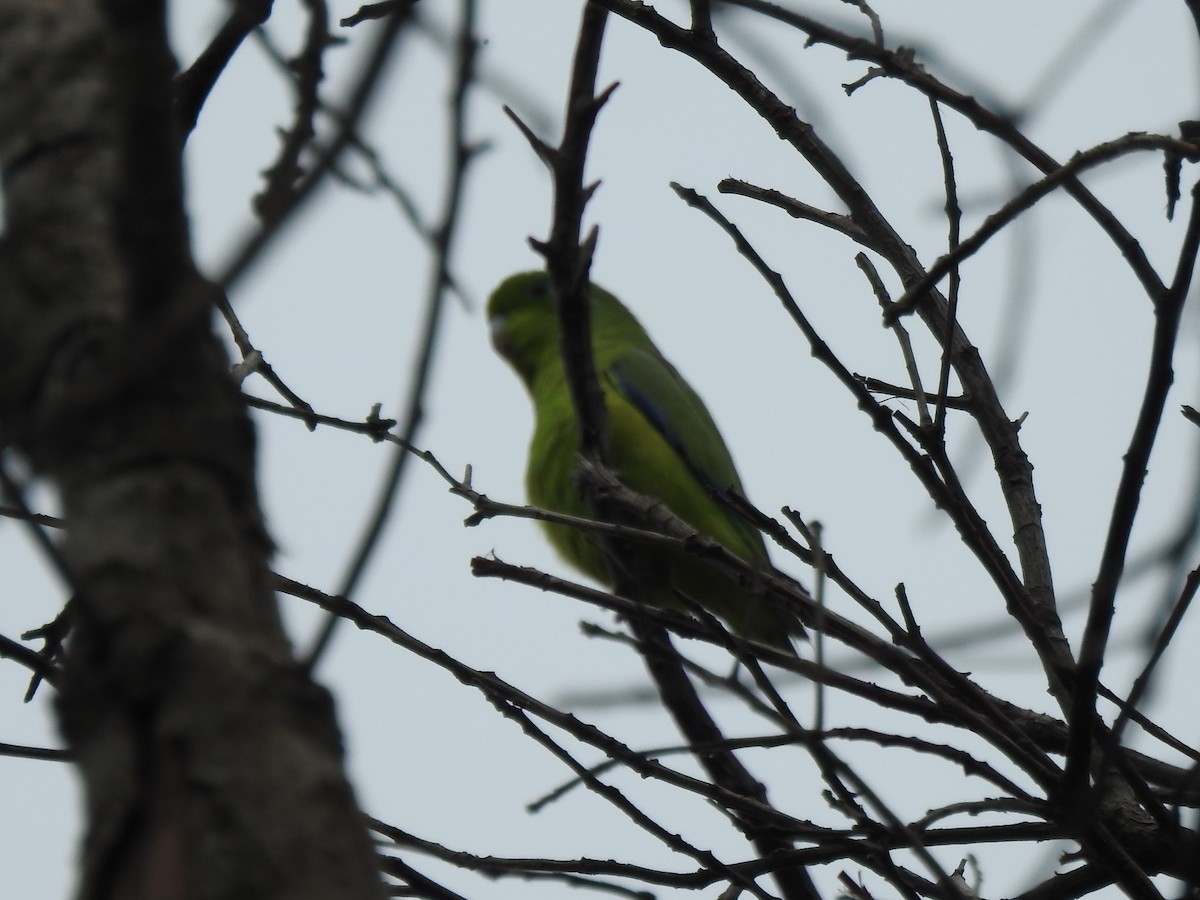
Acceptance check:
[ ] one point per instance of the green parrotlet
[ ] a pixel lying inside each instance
(662, 441)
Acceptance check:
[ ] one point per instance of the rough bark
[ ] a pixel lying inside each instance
(212, 764)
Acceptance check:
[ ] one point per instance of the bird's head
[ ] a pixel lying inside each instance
(523, 323)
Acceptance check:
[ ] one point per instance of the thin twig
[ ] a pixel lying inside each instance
(461, 156)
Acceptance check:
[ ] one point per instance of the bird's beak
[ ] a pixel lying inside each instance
(496, 328)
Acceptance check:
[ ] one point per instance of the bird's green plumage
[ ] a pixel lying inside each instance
(663, 443)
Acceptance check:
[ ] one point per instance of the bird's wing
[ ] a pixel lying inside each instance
(653, 387)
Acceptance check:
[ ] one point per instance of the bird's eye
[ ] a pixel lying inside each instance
(540, 289)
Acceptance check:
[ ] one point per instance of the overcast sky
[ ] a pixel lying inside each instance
(336, 307)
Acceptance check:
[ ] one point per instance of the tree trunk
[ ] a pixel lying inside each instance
(211, 763)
